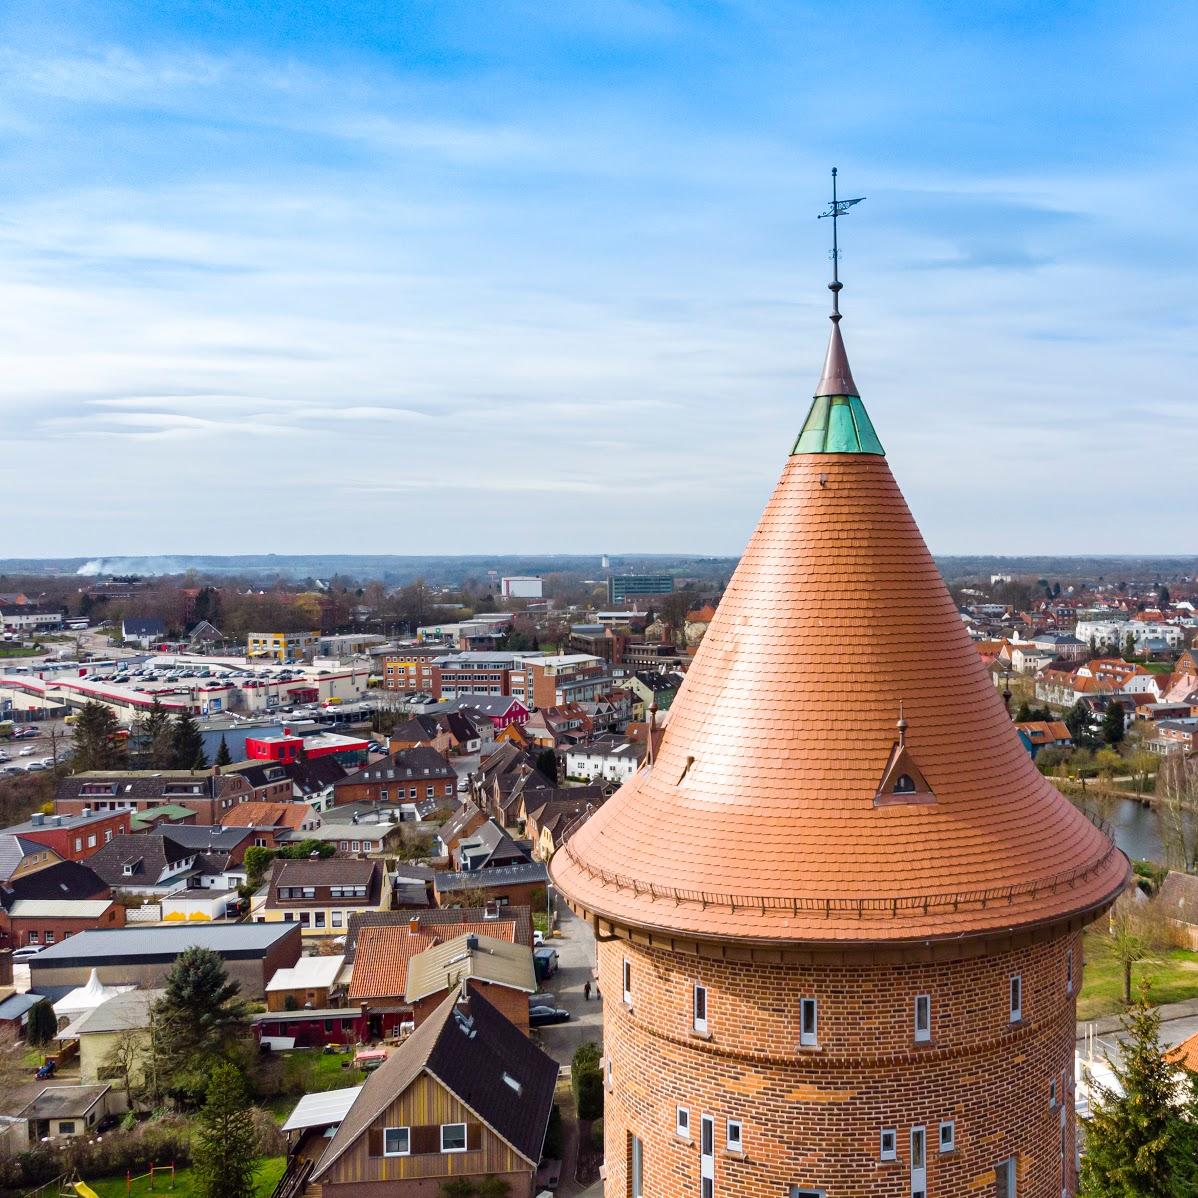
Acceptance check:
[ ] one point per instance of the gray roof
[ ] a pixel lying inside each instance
(202, 837)
(64, 1102)
(487, 879)
(421, 764)
(16, 1005)
(123, 1012)
(130, 945)
(14, 850)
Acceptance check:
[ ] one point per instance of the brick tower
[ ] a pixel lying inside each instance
(839, 914)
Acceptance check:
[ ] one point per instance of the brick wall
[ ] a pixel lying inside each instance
(814, 1116)
(509, 1002)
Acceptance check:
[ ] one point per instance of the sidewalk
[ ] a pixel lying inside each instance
(1179, 1021)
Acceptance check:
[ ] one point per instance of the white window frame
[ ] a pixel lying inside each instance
(682, 1122)
(636, 1167)
(805, 1192)
(699, 1000)
(626, 981)
(735, 1141)
(1007, 1190)
(808, 1039)
(706, 1156)
(949, 1144)
(923, 1027)
(919, 1173)
(891, 1153)
(1069, 971)
(408, 1140)
(465, 1138)
(1015, 996)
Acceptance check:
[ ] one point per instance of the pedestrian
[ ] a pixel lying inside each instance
(586, 991)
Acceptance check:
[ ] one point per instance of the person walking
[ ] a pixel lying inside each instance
(586, 991)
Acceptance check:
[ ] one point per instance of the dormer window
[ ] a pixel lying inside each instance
(904, 784)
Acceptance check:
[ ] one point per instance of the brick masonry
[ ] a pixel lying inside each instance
(813, 1117)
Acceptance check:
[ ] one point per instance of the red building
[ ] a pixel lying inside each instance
(839, 916)
(74, 837)
(287, 747)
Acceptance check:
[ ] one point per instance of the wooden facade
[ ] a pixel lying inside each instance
(364, 1172)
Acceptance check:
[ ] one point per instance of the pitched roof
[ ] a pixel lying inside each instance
(147, 854)
(14, 850)
(1185, 1054)
(508, 923)
(1178, 896)
(325, 871)
(268, 815)
(487, 879)
(469, 1050)
(484, 958)
(420, 764)
(63, 880)
(1042, 732)
(784, 724)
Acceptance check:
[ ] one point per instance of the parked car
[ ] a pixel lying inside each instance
(540, 1016)
(538, 938)
(545, 961)
(27, 751)
(27, 953)
(34, 766)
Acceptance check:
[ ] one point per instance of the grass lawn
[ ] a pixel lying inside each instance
(268, 1174)
(1173, 977)
(315, 1070)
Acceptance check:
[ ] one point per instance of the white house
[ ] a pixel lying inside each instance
(613, 761)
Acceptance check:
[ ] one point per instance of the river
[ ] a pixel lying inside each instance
(1136, 828)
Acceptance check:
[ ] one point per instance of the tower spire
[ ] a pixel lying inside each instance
(837, 421)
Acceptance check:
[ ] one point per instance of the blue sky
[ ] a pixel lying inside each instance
(480, 276)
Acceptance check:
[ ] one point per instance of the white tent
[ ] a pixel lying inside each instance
(87, 998)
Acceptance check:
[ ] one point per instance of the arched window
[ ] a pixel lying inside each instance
(904, 785)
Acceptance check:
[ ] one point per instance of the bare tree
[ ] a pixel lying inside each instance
(1177, 810)
(1139, 932)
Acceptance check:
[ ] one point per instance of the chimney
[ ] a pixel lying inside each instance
(86, 812)
(472, 944)
(414, 925)
(37, 819)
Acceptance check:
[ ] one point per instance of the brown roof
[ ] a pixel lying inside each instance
(383, 952)
(757, 818)
(267, 815)
(324, 871)
(1185, 1054)
(444, 921)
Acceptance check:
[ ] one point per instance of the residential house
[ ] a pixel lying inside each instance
(1064, 646)
(421, 731)
(419, 775)
(649, 689)
(20, 856)
(312, 982)
(210, 794)
(1044, 734)
(1027, 657)
(554, 680)
(1175, 736)
(547, 824)
(25, 917)
(64, 1112)
(114, 1038)
(501, 711)
(465, 821)
(467, 1096)
(1178, 900)
(522, 885)
(279, 818)
(512, 923)
(143, 631)
(553, 727)
(500, 971)
(72, 837)
(269, 780)
(612, 759)
(379, 969)
(487, 847)
(320, 895)
(148, 863)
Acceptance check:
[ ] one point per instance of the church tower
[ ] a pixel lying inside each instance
(839, 914)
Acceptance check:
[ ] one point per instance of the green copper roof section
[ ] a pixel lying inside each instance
(837, 421)
(838, 424)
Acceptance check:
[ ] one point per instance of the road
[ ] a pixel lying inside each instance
(576, 960)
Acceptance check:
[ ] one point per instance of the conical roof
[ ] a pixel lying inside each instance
(780, 806)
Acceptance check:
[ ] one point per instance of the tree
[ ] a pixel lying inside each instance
(223, 756)
(42, 1024)
(155, 738)
(198, 1020)
(225, 1150)
(97, 746)
(1129, 646)
(1134, 1132)
(188, 744)
(586, 1080)
(1077, 720)
(1177, 809)
(1113, 726)
(1136, 934)
(547, 764)
(1162, 597)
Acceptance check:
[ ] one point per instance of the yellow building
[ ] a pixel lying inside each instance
(114, 1039)
(282, 646)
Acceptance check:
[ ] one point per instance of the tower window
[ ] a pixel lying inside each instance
(919, 1162)
(888, 1147)
(1069, 972)
(682, 1122)
(627, 982)
(735, 1138)
(808, 1022)
(1016, 998)
(948, 1136)
(700, 1009)
(636, 1167)
(923, 1017)
(1004, 1179)
(904, 784)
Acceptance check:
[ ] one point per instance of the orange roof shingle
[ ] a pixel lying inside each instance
(757, 819)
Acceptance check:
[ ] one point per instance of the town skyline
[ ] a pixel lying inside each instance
(265, 257)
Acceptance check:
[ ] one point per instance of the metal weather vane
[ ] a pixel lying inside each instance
(837, 209)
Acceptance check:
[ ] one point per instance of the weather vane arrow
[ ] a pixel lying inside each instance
(837, 209)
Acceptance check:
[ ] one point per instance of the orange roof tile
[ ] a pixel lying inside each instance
(384, 950)
(757, 819)
(1185, 1054)
(267, 815)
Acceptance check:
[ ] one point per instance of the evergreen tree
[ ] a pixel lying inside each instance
(198, 1020)
(1133, 1138)
(188, 744)
(547, 764)
(155, 737)
(1077, 720)
(96, 745)
(224, 1151)
(1162, 597)
(42, 1024)
(1112, 724)
(223, 756)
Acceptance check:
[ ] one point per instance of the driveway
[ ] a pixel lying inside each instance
(576, 960)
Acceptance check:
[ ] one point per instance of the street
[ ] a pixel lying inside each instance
(576, 958)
